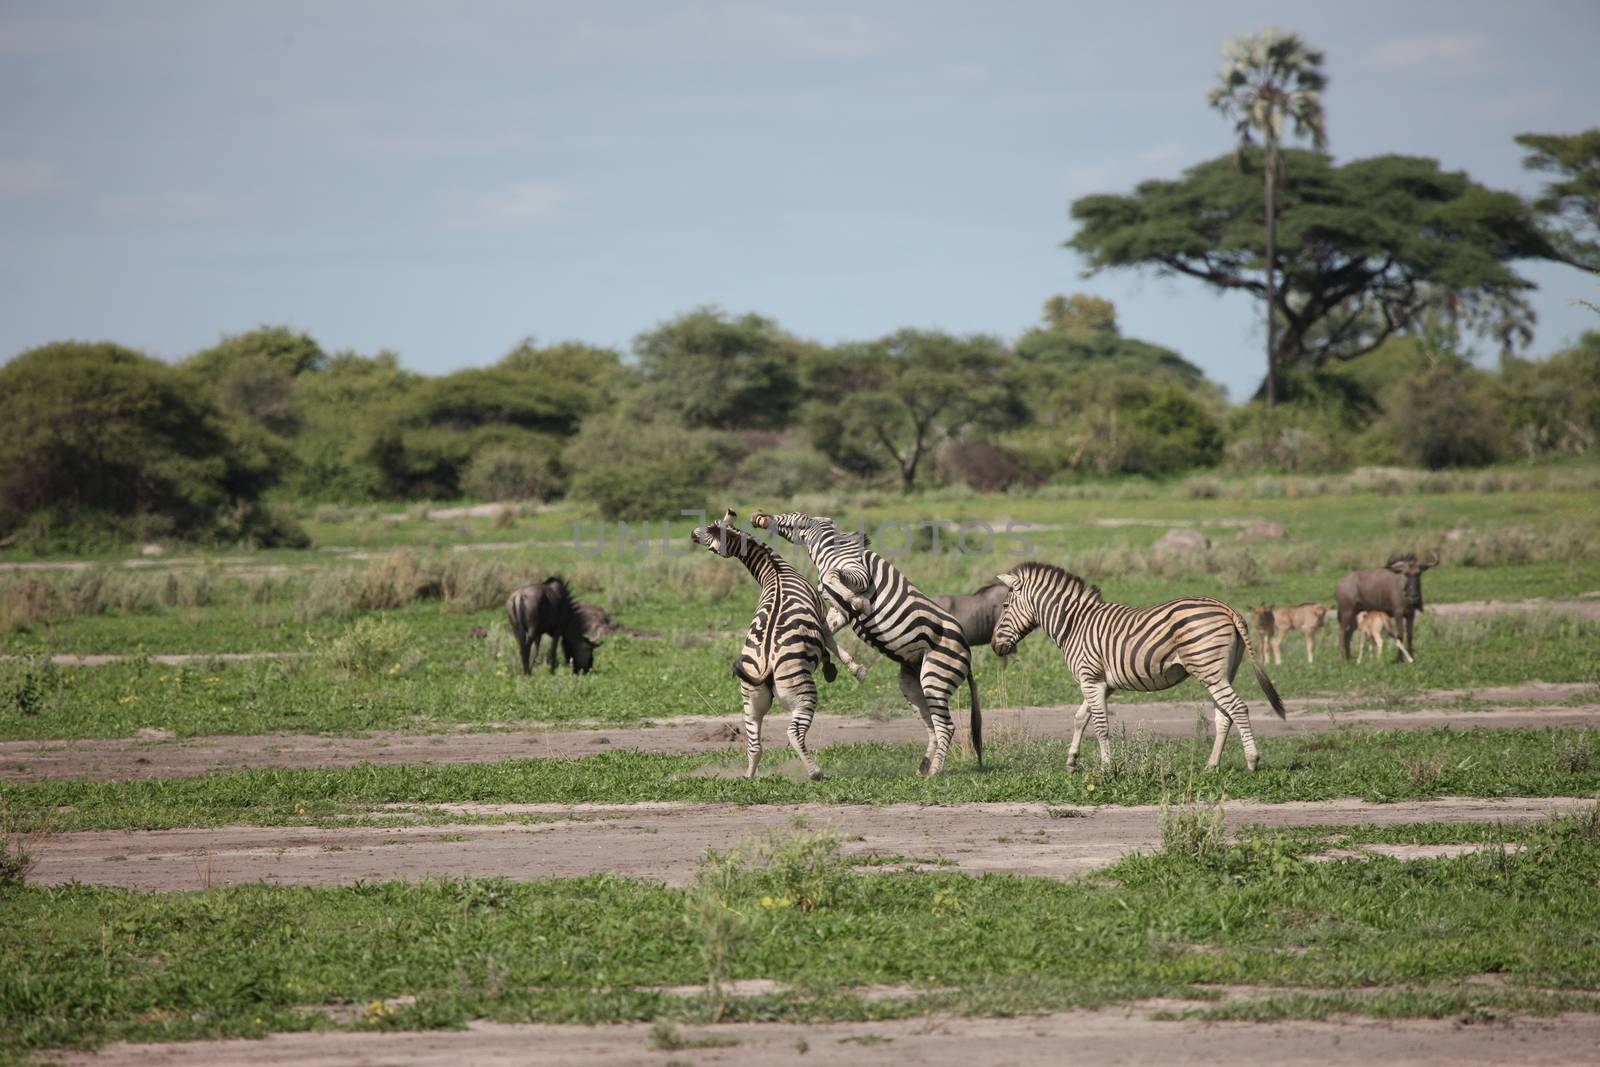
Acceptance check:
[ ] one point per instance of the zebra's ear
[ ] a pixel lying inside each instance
(1008, 580)
(730, 518)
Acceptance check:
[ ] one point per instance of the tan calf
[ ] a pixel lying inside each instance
(1273, 623)
(1375, 624)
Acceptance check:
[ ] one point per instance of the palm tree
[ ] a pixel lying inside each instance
(1269, 78)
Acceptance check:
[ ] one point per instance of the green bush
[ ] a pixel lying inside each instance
(634, 469)
(505, 472)
(1443, 416)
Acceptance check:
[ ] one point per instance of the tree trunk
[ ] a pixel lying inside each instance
(1272, 252)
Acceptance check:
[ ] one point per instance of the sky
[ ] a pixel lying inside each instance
(445, 180)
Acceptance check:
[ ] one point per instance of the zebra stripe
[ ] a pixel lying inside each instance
(894, 617)
(785, 644)
(1114, 646)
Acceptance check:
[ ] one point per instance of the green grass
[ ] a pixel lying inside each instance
(88, 965)
(1377, 766)
(444, 677)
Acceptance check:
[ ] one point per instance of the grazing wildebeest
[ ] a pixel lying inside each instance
(597, 623)
(977, 612)
(548, 608)
(1374, 624)
(1395, 589)
(1273, 623)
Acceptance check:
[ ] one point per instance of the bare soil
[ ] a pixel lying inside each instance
(666, 841)
(163, 757)
(1102, 1037)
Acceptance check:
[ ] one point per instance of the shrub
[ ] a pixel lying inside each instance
(504, 472)
(373, 645)
(1442, 417)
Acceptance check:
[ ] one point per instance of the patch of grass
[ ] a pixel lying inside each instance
(87, 965)
(1368, 765)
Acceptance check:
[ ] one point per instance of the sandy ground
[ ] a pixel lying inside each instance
(1099, 1038)
(1586, 606)
(666, 840)
(162, 757)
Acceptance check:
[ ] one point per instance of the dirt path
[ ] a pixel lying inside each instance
(666, 841)
(1586, 606)
(105, 759)
(174, 659)
(1122, 1036)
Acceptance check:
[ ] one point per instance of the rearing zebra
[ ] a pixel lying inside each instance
(1113, 646)
(894, 617)
(786, 642)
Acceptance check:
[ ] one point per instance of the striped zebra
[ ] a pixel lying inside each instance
(894, 617)
(1113, 646)
(786, 642)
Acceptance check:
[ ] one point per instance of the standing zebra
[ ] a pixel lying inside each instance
(894, 617)
(787, 641)
(1113, 646)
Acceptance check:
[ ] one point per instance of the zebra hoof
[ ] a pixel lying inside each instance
(926, 763)
(1073, 768)
(829, 671)
(859, 672)
(818, 776)
(861, 605)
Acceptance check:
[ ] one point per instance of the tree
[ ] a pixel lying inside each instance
(632, 469)
(885, 405)
(1571, 201)
(1269, 78)
(102, 441)
(253, 374)
(598, 372)
(422, 443)
(1365, 248)
(340, 408)
(1081, 331)
(718, 372)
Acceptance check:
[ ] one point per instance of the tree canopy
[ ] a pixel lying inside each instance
(1571, 200)
(253, 374)
(714, 371)
(105, 441)
(1363, 247)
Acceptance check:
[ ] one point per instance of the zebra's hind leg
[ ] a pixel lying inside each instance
(1230, 707)
(1220, 735)
(911, 686)
(799, 698)
(757, 699)
(1094, 695)
(1079, 721)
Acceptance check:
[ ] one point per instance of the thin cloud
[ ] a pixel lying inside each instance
(1457, 50)
(520, 206)
(29, 177)
(172, 207)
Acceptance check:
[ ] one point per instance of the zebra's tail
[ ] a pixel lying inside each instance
(1261, 675)
(977, 718)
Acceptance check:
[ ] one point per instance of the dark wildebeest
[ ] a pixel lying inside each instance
(1395, 589)
(548, 608)
(977, 612)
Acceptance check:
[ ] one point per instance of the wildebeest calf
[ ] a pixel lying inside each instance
(1374, 624)
(1273, 623)
(1395, 590)
(548, 608)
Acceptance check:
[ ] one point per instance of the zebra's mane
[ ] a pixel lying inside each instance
(1073, 588)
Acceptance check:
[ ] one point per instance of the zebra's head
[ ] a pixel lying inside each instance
(1018, 617)
(794, 526)
(721, 537)
(1038, 591)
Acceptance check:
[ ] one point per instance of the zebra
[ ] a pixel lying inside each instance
(1114, 646)
(786, 642)
(894, 617)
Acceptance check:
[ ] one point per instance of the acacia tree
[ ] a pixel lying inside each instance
(1364, 248)
(1570, 202)
(1270, 78)
(885, 405)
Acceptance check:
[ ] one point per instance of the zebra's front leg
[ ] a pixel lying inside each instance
(799, 698)
(757, 699)
(1229, 706)
(841, 589)
(835, 622)
(1079, 721)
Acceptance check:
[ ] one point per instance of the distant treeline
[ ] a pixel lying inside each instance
(103, 442)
